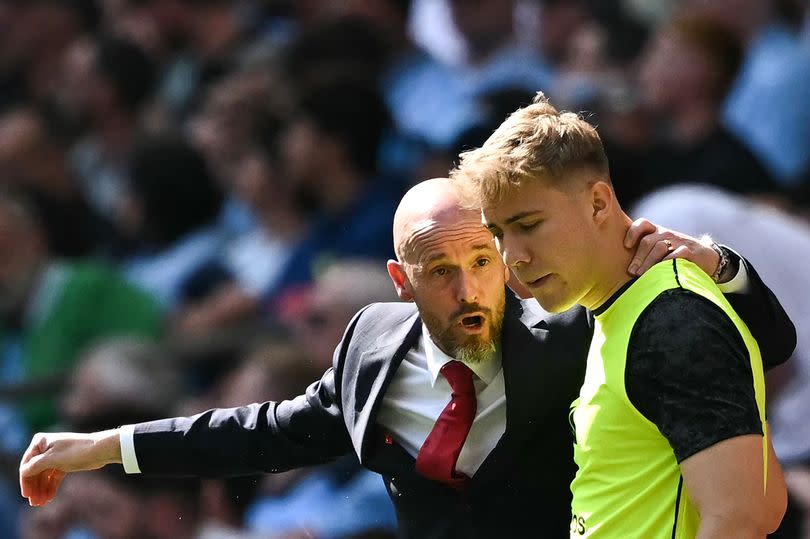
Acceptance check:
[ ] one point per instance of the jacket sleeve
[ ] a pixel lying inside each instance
(262, 437)
(766, 319)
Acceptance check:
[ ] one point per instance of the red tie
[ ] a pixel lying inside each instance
(438, 456)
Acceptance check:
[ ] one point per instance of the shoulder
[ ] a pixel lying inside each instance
(684, 335)
(375, 319)
(385, 313)
(682, 312)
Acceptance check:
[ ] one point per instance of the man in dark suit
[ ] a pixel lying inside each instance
(474, 448)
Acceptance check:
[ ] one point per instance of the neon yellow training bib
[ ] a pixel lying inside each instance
(629, 484)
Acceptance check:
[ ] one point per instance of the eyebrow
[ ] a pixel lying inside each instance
(474, 248)
(512, 219)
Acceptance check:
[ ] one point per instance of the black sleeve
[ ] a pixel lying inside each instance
(766, 319)
(688, 371)
(262, 437)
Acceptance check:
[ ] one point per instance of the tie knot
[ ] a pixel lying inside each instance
(459, 376)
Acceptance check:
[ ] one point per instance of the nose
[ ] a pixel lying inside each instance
(513, 251)
(466, 288)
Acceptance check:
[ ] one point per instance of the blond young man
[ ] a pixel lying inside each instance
(671, 438)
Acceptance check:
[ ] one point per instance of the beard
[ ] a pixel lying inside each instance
(470, 349)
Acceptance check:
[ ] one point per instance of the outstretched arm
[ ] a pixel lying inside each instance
(269, 437)
(265, 437)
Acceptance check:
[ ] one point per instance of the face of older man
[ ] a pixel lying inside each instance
(449, 266)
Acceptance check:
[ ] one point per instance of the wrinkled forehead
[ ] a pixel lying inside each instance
(430, 238)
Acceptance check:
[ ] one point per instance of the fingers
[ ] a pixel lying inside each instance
(42, 487)
(645, 248)
(30, 459)
(38, 478)
(640, 228)
(656, 254)
(55, 478)
(33, 479)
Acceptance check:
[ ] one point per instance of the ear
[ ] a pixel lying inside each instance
(602, 201)
(400, 280)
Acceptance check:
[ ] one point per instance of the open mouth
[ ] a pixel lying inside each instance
(473, 321)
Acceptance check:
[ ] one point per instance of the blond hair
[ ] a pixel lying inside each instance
(534, 142)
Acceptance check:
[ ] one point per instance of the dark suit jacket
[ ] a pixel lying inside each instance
(521, 490)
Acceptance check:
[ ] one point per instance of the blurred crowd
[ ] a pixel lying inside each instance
(197, 195)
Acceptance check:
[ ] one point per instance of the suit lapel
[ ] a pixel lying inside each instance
(378, 364)
(529, 385)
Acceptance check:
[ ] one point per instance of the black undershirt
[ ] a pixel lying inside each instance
(688, 372)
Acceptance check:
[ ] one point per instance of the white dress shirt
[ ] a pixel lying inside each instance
(419, 393)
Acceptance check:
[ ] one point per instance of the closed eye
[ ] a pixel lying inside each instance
(528, 227)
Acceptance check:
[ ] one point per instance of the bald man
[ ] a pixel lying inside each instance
(458, 397)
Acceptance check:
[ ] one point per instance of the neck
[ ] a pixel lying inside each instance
(694, 123)
(611, 267)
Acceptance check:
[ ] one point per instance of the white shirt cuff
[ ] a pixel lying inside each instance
(126, 436)
(739, 283)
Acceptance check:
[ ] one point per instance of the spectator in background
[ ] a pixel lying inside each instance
(495, 60)
(51, 311)
(338, 293)
(768, 107)
(329, 155)
(33, 155)
(341, 498)
(172, 208)
(252, 262)
(237, 113)
(118, 380)
(560, 22)
(120, 81)
(202, 40)
(426, 98)
(13, 52)
(686, 72)
(35, 35)
(113, 507)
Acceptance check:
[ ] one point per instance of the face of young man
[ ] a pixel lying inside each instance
(457, 280)
(547, 237)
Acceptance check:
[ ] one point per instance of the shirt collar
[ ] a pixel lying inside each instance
(436, 359)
